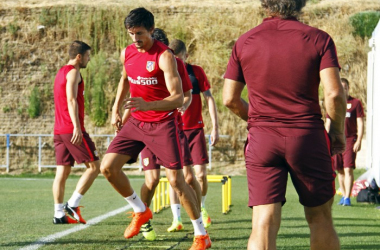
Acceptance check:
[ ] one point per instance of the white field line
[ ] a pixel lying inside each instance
(51, 238)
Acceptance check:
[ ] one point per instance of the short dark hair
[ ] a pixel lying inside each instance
(78, 47)
(346, 81)
(160, 35)
(178, 46)
(139, 17)
(284, 8)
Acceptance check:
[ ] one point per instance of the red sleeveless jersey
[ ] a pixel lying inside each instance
(63, 123)
(146, 80)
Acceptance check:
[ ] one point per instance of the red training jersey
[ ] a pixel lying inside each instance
(186, 86)
(192, 118)
(147, 80)
(280, 61)
(63, 123)
(354, 110)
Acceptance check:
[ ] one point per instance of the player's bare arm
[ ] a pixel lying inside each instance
(168, 65)
(335, 100)
(214, 116)
(187, 98)
(232, 98)
(358, 143)
(73, 79)
(122, 91)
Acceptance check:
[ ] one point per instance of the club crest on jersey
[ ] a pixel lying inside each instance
(146, 161)
(349, 105)
(150, 66)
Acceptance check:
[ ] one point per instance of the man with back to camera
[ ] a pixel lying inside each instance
(193, 128)
(281, 62)
(150, 72)
(71, 142)
(151, 165)
(344, 163)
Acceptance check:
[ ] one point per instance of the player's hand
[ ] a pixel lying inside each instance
(77, 137)
(116, 121)
(357, 146)
(338, 143)
(136, 104)
(214, 137)
(182, 110)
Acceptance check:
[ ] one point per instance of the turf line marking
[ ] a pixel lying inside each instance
(51, 238)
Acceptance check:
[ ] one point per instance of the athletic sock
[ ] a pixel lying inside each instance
(75, 199)
(58, 211)
(176, 210)
(203, 201)
(136, 203)
(199, 228)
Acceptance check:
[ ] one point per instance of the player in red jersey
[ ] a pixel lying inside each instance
(150, 74)
(282, 62)
(71, 141)
(151, 165)
(353, 128)
(193, 128)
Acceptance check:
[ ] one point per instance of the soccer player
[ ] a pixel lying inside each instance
(353, 128)
(150, 73)
(71, 141)
(193, 128)
(282, 62)
(151, 165)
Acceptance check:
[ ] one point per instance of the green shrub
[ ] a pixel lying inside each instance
(48, 17)
(6, 109)
(34, 109)
(364, 23)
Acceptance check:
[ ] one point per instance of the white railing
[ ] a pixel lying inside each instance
(41, 145)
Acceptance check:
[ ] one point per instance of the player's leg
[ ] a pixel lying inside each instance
(64, 162)
(125, 148)
(175, 206)
(152, 179)
(322, 232)
(266, 221)
(201, 174)
(189, 201)
(338, 167)
(313, 178)
(348, 183)
(72, 206)
(59, 183)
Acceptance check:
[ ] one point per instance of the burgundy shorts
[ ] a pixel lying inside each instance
(271, 153)
(66, 152)
(197, 144)
(348, 157)
(150, 161)
(161, 138)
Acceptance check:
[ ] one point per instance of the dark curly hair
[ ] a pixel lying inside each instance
(139, 17)
(161, 36)
(283, 8)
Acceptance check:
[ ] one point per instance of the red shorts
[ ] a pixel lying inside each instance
(161, 138)
(271, 153)
(150, 161)
(66, 152)
(348, 157)
(197, 144)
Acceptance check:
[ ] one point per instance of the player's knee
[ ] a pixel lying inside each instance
(189, 179)
(152, 183)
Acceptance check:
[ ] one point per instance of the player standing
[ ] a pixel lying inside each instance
(71, 141)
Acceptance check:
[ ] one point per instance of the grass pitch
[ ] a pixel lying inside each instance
(27, 210)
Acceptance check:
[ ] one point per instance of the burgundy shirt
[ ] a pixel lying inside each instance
(63, 123)
(354, 110)
(147, 80)
(186, 86)
(280, 61)
(192, 118)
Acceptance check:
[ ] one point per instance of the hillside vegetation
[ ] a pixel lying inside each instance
(35, 35)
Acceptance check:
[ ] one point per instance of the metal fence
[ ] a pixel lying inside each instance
(38, 150)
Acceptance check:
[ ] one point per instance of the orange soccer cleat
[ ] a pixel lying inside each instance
(137, 221)
(201, 242)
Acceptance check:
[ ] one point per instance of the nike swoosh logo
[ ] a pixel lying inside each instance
(135, 197)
